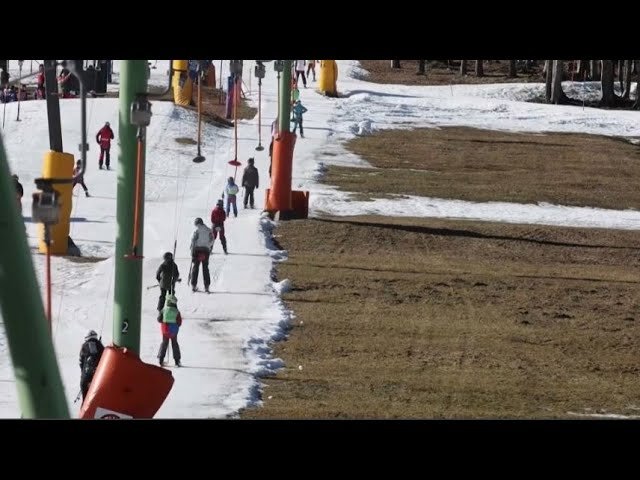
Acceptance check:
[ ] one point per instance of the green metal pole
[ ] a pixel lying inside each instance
(40, 390)
(128, 271)
(284, 109)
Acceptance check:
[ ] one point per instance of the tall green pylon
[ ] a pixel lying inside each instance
(128, 270)
(37, 376)
(284, 109)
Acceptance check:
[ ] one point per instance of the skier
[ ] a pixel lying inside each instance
(90, 354)
(311, 67)
(170, 320)
(201, 246)
(250, 181)
(298, 111)
(19, 191)
(217, 220)
(231, 190)
(104, 137)
(300, 64)
(40, 89)
(78, 177)
(167, 276)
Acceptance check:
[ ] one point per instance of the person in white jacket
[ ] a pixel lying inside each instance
(201, 246)
(300, 64)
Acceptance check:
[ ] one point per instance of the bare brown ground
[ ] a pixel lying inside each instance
(484, 165)
(424, 318)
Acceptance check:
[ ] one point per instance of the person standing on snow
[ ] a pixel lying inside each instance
(250, 181)
(90, 354)
(201, 246)
(300, 64)
(104, 137)
(170, 322)
(78, 177)
(298, 111)
(311, 67)
(217, 220)
(231, 190)
(167, 276)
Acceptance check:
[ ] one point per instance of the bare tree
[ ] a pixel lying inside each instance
(620, 73)
(626, 92)
(608, 94)
(512, 68)
(463, 67)
(422, 65)
(595, 69)
(395, 64)
(547, 80)
(479, 69)
(557, 94)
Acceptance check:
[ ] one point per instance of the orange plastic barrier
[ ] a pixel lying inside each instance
(279, 197)
(126, 387)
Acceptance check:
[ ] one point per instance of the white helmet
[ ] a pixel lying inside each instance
(91, 334)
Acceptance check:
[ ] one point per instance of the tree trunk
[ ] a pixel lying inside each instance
(620, 74)
(626, 93)
(479, 69)
(608, 94)
(512, 68)
(463, 67)
(547, 80)
(583, 67)
(422, 64)
(595, 69)
(395, 64)
(557, 95)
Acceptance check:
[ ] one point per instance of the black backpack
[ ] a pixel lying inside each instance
(92, 360)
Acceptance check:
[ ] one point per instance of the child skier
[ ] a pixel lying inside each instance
(231, 190)
(217, 220)
(170, 321)
(90, 354)
(167, 276)
(78, 177)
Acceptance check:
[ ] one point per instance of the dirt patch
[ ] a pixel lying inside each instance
(484, 165)
(439, 72)
(415, 318)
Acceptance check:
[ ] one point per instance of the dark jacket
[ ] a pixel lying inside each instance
(90, 354)
(250, 177)
(164, 275)
(19, 189)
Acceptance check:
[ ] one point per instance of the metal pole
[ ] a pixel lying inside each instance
(19, 88)
(128, 271)
(38, 382)
(284, 109)
(53, 106)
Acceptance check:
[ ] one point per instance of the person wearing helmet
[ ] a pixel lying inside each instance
(78, 178)
(167, 275)
(201, 245)
(231, 190)
(90, 355)
(104, 137)
(170, 321)
(250, 181)
(217, 221)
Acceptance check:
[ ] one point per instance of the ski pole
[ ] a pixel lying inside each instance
(153, 286)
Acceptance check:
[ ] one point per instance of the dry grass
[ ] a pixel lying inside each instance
(439, 73)
(415, 318)
(483, 165)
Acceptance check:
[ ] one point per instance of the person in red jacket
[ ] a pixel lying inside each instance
(217, 221)
(104, 137)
